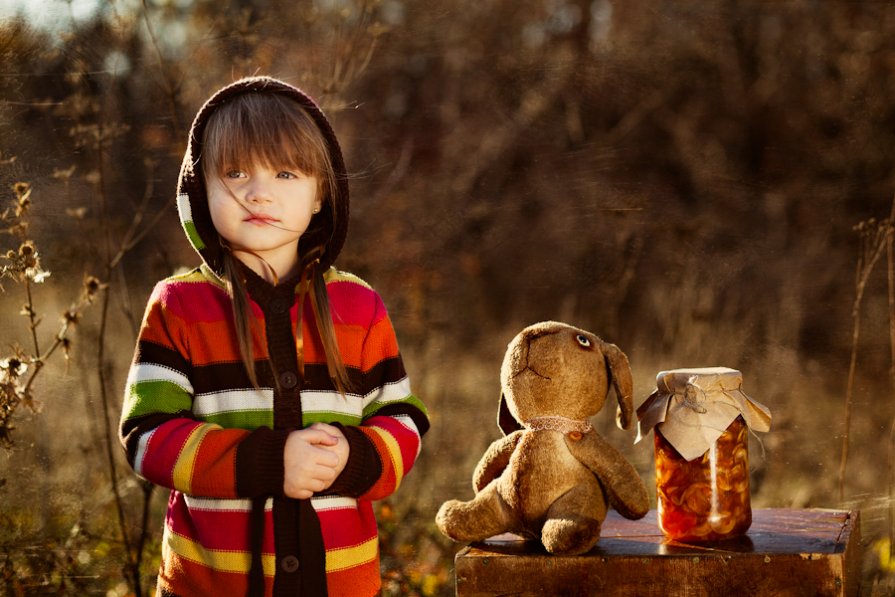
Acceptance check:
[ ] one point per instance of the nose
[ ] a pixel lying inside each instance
(257, 192)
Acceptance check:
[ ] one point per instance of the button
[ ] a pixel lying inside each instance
(278, 305)
(288, 380)
(289, 564)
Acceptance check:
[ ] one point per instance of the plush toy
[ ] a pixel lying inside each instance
(551, 476)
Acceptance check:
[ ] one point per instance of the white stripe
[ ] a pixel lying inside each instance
(323, 401)
(232, 401)
(320, 504)
(183, 206)
(152, 372)
(141, 452)
(353, 404)
(204, 504)
(335, 502)
(392, 392)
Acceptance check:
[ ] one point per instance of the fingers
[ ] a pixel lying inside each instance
(310, 463)
(318, 434)
(305, 484)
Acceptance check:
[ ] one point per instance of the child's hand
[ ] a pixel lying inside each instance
(311, 461)
(340, 449)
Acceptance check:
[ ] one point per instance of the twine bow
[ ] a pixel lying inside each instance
(692, 396)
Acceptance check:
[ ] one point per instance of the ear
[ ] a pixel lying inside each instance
(505, 419)
(622, 382)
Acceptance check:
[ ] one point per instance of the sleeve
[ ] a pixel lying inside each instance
(385, 446)
(164, 442)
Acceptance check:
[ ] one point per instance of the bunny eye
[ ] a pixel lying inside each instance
(583, 340)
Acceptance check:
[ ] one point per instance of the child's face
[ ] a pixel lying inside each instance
(263, 211)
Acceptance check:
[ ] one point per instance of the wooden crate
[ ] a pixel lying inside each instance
(786, 553)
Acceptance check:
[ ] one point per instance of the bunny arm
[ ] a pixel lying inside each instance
(494, 460)
(623, 486)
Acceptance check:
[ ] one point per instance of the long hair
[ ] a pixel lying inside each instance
(274, 131)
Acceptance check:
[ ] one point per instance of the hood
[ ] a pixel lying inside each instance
(192, 200)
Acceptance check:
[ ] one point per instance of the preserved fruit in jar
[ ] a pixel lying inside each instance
(705, 499)
(701, 418)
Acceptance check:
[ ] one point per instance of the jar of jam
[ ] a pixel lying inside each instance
(701, 418)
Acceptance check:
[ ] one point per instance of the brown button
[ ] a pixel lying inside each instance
(288, 380)
(575, 435)
(289, 564)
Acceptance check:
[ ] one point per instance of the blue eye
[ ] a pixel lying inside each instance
(583, 340)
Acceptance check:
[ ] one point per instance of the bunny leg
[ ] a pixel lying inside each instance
(574, 521)
(486, 515)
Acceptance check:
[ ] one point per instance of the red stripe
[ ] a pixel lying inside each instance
(164, 449)
(353, 304)
(362, 581)
(215, 529)
(347, 527)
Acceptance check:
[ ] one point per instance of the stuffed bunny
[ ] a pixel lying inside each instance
(551, 476)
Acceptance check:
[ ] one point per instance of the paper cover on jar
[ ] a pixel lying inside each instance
(693, 407)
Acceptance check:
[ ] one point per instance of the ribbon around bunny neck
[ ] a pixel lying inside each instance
(558, 423)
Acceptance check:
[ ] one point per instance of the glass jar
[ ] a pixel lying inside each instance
(701, 418)
(705, 499)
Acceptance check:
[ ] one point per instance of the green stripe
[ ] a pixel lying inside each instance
(410, 399)
(152, 397)
(330, 417)
(193, 235)
(244, 419)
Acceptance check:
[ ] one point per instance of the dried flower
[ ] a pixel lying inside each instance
(13, 367)
(22, 189)
(27, 249)
(92, 285)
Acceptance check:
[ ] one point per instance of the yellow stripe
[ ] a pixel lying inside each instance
(186, 460)
(349, 557)
(225, 561)
(394, 452)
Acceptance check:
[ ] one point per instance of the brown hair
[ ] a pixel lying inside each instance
(274, 131)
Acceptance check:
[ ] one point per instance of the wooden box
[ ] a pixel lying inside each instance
(786, 552)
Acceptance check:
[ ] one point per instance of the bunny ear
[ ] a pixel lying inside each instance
(622, 382)
(505, 419)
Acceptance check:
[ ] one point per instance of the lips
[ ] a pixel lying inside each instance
(260, 219)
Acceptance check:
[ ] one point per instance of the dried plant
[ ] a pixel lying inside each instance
(873, 237)
(20, 369)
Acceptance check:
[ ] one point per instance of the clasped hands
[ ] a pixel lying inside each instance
(312, 459)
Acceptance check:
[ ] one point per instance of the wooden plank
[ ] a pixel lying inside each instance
(786, 553)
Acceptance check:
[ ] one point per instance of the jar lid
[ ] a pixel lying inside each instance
(692, 408)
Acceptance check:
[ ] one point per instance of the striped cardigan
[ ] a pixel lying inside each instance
(192, 422)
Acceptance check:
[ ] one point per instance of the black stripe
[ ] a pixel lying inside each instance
(151, 353)
(394, 410)
(220, 377)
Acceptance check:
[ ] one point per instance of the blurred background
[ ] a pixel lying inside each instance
(701, 183)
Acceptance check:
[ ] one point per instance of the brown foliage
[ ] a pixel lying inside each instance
(681, 177)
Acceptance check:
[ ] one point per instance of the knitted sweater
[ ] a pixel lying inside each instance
(193, 422)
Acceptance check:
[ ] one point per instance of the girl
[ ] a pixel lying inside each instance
(267, 390)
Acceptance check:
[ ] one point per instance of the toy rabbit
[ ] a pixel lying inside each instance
(552, 477)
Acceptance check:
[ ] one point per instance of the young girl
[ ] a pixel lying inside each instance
(267, 390)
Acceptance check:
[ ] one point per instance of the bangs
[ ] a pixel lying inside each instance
(266, 130)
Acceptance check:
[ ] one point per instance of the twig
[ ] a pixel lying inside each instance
(873, 241)
(890, 270)
(170, 90)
